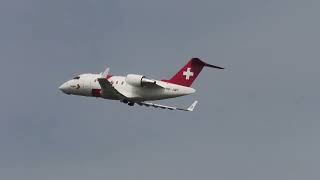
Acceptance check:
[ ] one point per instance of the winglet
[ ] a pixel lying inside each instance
(193, 105)
(105, 73)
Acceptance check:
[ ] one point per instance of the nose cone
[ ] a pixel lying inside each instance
(64, 88)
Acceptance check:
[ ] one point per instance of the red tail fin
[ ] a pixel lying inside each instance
(190, 72)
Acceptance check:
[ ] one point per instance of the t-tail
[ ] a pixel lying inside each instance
(190, 72)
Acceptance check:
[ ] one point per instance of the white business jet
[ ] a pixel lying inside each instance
(137, 89)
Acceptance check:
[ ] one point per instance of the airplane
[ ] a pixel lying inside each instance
(137, 89)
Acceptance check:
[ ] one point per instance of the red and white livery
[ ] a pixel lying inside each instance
(137, 89)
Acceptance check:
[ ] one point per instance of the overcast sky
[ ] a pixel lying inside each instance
(258, 119)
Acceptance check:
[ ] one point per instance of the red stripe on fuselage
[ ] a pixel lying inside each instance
(96, 92)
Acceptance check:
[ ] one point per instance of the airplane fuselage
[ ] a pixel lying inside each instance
(88, 85)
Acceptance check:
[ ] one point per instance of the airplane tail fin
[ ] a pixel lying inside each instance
(190, 72)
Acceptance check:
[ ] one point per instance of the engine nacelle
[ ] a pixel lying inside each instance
(138, 80)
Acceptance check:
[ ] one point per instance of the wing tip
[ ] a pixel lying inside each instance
(192, 106)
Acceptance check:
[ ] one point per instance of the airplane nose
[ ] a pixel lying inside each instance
(64, 88)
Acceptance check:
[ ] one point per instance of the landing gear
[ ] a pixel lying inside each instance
(125, 101)
(130, 103)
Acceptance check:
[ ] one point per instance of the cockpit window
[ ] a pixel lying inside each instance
(77, 77)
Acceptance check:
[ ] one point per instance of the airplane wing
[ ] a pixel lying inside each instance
(148, 104)
(107, 86)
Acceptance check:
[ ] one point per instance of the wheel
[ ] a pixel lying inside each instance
(125, 101)
(131, 103)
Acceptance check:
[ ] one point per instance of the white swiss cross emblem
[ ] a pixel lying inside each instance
(188, 73)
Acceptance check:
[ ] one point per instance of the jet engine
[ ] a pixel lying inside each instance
(139, 80)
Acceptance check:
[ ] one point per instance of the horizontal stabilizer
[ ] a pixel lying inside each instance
(212, 66)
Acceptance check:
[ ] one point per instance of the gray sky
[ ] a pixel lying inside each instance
(258, 119)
